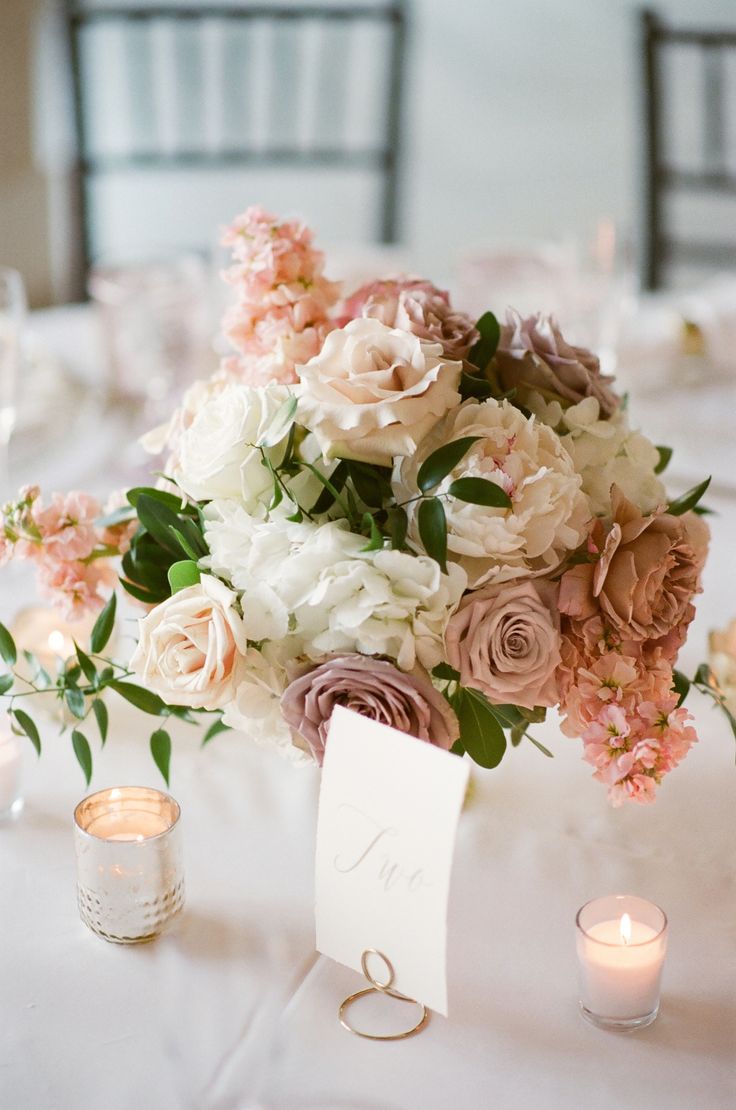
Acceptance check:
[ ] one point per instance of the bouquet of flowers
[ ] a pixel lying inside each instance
(449, 526)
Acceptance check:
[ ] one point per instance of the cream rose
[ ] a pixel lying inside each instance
(373, 392)
(548, 512)
(217, 456)
(191, 645)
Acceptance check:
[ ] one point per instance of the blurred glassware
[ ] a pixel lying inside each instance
(605, 293)
(11, 760)
(13, 313)
(591, 287)
(156, 324)
(711, 311)
(537, 278)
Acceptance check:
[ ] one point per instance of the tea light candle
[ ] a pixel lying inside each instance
(621, 945)
(11, 801)
(130, 881)
(45, 633)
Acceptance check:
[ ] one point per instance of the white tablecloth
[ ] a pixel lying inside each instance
(207, 1017)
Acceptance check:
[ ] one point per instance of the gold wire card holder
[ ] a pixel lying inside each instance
(384, 988)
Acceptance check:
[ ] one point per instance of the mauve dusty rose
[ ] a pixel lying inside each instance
(374, 688)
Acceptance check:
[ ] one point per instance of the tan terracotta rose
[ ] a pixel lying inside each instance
(646, 577)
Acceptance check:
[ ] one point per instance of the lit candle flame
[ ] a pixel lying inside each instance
(56, 641)
(625, 929)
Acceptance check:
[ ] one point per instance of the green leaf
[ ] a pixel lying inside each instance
(327, 496)
(118, 516)
(28, 727)
(433, 530)
(282, 420)
(159, 520)
(704, 676)
(278, 495)
(103, 627)
(481, 734)
(190, 538)
(703, 510)
(82, 752)
(665, 454)
(457, 748)
(297, 517)
(330, 488)
(8, 649)
(146, 596)
(688, 500)
(681, 685)
(140, 698)
(398, 525)
(101, 716)
(539, 745)
(88, 667)
(439, 464)
(161, 751)
(376, 540)
(480, 491)
(177, 504)
(480, 389)
(446, 673)
(490, 333)
(182, 575)
(6, 681)
(214, 730)
(75, 700)
(372, 483)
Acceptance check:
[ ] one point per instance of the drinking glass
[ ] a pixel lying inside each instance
(13, 310)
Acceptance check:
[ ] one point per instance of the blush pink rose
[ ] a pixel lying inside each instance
(374, 688)
(645, 579)
(417, 306)
(505, 641)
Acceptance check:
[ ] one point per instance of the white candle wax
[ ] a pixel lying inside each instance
(10, 768)
(620, 978)
(128, 824)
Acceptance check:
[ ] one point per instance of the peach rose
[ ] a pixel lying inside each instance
(190, 646)
(645, 579)
(505, 641)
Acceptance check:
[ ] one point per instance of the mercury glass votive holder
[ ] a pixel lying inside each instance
(621, 946)
(130, 876)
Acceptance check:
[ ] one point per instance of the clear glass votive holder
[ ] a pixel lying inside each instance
(130, 875)
(11, 762)
(621, 945)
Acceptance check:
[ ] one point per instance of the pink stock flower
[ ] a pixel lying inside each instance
(632, 730)
(283, 299)
(67, 526)
(76, 588)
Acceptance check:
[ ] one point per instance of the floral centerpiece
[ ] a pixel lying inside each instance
(450, 526)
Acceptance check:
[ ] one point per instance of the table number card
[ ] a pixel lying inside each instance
(388, 811)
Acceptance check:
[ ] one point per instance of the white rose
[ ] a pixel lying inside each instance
(373, 392)
(216, 452)
(605, 453)
(548, 511)
(190, 646)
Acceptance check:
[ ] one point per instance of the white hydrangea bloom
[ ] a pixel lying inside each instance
(256, 707)
(605, 452)
(314, 585)
(548, 514)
